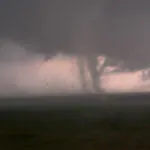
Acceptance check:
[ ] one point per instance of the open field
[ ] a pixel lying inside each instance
(76, 122)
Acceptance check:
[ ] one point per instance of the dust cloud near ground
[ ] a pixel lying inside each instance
(25, 72)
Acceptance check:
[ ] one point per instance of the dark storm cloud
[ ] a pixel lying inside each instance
(129, 30)
(120, 28)
(45, 23)
(17, 17)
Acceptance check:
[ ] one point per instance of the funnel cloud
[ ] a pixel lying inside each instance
(33, 29)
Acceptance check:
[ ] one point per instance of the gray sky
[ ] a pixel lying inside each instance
(120, 28)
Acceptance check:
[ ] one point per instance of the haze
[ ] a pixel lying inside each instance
(33, 29)
(23, 72)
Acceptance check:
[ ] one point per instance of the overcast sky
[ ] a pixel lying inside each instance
(117, 27)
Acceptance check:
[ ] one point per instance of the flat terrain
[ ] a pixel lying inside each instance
(93, 122)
